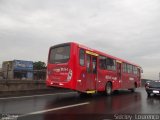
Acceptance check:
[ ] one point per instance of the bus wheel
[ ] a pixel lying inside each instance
(108, 89)
(133, 89)
(148, 94)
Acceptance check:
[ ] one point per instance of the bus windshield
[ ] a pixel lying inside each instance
(59, 54)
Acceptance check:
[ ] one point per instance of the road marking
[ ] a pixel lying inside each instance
(54, 109)
(34, 96)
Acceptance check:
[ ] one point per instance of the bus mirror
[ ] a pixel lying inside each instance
(141, 70)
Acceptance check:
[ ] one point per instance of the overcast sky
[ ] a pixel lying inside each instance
(129, 29)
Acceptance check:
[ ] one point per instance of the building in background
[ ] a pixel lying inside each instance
(17, 69)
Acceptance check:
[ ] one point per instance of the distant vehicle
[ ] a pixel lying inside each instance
(77, 67)
(152, 87)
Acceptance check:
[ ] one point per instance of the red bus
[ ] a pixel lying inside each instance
(77, 67)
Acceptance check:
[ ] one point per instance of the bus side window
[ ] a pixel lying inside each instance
(128, 68)
(134, 70)
(88, 63)
(82, 57)
(111, 64)
(102, 62)
(94, 64)
(124, 67)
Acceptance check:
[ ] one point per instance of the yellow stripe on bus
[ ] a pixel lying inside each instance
(118, 61)
(91, 53)
(91, 91)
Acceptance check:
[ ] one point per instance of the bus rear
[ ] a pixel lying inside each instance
(60, 66)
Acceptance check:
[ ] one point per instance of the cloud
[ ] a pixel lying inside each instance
(128, 29)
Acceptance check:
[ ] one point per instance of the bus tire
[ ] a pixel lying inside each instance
(108, 89)
(133, 89)
(148, 94)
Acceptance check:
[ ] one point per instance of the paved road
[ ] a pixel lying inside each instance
(122, 105)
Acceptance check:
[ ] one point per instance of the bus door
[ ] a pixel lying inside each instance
(91, 70)
(119, 74)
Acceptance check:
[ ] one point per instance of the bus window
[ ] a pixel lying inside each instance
(82, 57)
(107, 63)
(88, 63)
(135, 71)
(124, 67)
(59, 54)
(94, 64)
(111, 64)
(129, 68)
(102, 62)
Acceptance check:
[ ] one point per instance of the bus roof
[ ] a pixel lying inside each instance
(105, 54)
(100, 53)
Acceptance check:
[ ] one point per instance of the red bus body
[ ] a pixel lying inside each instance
(77, 67)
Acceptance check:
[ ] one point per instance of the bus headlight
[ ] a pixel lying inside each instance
(69, 77)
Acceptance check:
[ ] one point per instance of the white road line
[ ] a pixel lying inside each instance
(54, 109)
(34, 96)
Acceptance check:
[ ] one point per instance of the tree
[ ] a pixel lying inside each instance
(39, 65)
(39, 70)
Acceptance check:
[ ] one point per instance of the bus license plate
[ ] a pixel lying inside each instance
(155, 91)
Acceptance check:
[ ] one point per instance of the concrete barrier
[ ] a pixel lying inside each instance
(26, 87)
(21, 85)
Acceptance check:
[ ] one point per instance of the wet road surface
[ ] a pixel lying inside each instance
(71, 106)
